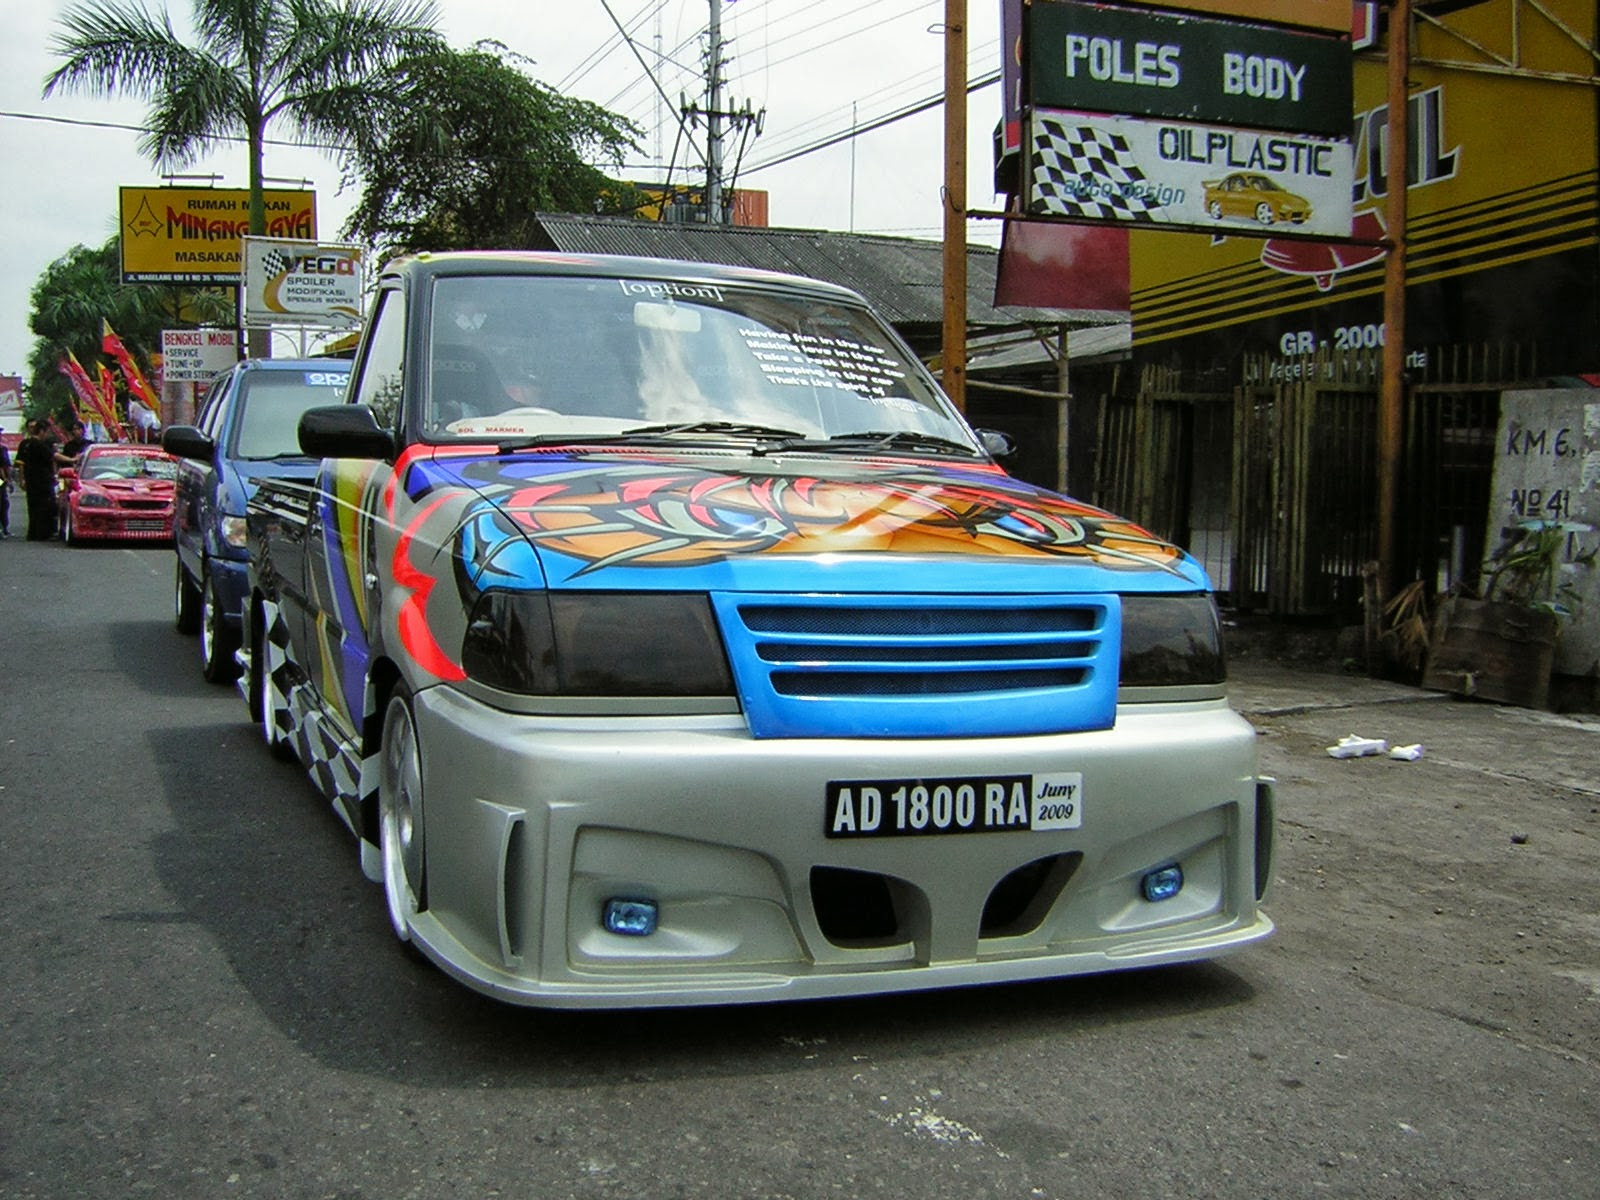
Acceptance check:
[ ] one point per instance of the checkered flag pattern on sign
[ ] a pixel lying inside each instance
(1081, 171)
(277, 263)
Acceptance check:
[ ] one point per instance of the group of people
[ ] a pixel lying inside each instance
(38, 458)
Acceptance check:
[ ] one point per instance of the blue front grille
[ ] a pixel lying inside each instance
(922, 666)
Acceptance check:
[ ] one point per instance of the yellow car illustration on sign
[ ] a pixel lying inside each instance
(1256, 198)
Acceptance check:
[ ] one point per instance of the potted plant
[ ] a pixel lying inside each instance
(1500, 644)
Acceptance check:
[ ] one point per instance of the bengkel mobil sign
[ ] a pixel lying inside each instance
(301, 283)
(197, 355)
(194, 235)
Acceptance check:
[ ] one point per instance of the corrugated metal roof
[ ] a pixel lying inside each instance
(903, 278)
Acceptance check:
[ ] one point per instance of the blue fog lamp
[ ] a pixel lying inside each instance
(1162, 884)
(630, 918)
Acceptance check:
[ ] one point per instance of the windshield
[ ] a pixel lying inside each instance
(516, 356)
(271, 404)
(112, 464)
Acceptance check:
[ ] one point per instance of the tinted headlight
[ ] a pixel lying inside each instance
(596, 644)
(1171, 640)
(94, 500)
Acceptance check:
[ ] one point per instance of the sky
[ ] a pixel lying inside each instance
(818, 68)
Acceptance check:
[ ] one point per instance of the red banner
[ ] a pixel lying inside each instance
(138, 387)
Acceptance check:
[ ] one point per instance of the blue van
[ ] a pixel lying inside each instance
(244, 431)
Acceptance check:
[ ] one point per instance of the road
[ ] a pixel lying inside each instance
(201, 998)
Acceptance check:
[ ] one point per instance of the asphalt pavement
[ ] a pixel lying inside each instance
(1561, 750)
(202, 997)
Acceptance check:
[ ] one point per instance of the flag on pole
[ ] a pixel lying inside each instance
(90, 397)
(108, 390)
(138, 387)
(78, 378)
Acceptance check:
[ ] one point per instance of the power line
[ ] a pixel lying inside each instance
(911, 110)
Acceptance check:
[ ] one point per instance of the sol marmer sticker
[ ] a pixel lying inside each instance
(982, 804)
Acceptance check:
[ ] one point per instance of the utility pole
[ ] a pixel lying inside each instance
(1391, 397)
(660, 115)
(741, 120)
(955, 202)
(714, 117)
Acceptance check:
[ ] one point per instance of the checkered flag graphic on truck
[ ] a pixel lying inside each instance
(277, 263)
(1081, 171)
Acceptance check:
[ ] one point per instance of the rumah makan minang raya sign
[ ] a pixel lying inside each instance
(196, 235)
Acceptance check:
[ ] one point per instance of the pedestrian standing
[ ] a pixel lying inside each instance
(36, 456)
(5, 491)
(72, 449)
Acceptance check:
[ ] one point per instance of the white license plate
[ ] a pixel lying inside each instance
(990, 804)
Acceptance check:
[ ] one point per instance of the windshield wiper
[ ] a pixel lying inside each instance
(649, 435)
(721, 428)
(875, 439)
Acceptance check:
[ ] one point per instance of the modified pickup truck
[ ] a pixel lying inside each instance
(665, 636)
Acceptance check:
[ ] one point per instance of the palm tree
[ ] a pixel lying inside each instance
(326, 68)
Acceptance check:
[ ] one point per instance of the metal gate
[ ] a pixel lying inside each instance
(1273, 486)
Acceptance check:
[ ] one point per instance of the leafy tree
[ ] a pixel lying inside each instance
(490, 148)
(84, 288)
(326, 68)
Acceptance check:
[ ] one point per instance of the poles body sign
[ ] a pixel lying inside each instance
(1139, 63)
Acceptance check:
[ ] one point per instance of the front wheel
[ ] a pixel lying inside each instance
(1265, 213)
(400, 827)
(217, 640)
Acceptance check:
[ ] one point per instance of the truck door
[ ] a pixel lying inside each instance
(341, 538)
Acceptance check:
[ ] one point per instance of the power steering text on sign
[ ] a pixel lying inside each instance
(993, 804)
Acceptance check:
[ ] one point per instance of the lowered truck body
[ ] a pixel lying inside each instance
(665, 637)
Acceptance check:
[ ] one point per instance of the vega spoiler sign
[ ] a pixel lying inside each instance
(301, 283)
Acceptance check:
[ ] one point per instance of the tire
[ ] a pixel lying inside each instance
(266, 701)
(1215, 209)
(217, 641)
(185, 602)
(400, 815)
(68, 534)
(1264, 213)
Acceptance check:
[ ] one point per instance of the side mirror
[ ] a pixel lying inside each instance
(344, 431)
(997, 442)
(185, 441)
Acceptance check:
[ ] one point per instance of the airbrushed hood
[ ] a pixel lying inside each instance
(742, 521)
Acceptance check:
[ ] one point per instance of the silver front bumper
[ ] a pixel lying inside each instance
(532, 823)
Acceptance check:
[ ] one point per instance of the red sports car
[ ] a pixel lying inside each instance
(121, 491)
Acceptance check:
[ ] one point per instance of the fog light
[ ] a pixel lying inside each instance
(1162, 884)
(630, 918)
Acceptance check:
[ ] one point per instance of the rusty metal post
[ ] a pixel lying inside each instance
(1392, 396)
(1063, 408)
(955, 202)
